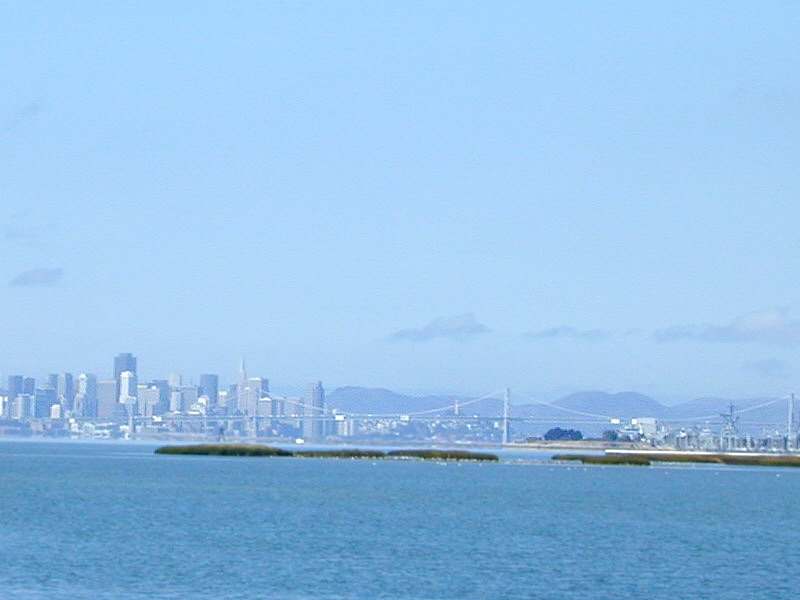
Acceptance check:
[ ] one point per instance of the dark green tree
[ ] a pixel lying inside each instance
(556, 433)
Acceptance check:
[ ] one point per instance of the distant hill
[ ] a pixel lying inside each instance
(368, 400)
(707, 406)
(698, 407)
(382, 401)
(752, 415)
(621, 404)
(565, 410)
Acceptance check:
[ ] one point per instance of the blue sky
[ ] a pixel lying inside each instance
(430, 197)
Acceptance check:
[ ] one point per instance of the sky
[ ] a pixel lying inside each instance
(431, 197)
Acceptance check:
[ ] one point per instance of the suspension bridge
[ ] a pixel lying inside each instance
(458, 409)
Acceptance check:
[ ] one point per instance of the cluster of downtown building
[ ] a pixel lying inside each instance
(86, 405)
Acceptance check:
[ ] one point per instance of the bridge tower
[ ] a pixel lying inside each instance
(506, 413)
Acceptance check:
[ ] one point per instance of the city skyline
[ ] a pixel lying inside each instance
(126, 365)
(127, 406)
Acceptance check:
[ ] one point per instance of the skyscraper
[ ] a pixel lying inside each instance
(250, 392)
(14, 386)
(149, 399)
(241, 387)
(44, 397)
(209, 386)
(123, 362)
(107, 399)
(128, 390)
(189, 394)
(85, 401)
(314, 411)
(14, 390)
(64, 389)
(162, 385)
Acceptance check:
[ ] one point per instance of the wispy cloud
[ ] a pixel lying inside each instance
(770, 326)
(567, 332)
(461, 328)
(18, 234)
(769, 368)
(17, 119)
(37, 277)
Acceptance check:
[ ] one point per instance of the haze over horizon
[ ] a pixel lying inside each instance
(426, 197)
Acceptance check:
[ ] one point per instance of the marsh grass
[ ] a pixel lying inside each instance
(606, 459)
(778, 460)
(350, 453)
(224, 450)
(443, 455)
(259, 450)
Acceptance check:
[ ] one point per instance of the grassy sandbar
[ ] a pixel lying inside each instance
(259, 450)
(224, 450)
(626, 458)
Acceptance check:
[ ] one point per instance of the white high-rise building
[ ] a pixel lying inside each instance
(148, 399)
(85, 403)
(128, 390)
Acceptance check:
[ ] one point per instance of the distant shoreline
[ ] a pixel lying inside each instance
(581, 445)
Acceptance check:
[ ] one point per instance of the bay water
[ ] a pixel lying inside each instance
(81, 520)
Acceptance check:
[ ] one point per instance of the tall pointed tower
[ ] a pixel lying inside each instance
(241, 388)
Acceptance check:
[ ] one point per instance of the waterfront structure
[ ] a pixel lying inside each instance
(314, 411)
(342, 426)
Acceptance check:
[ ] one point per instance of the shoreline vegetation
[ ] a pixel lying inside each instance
(612, 458)
(682, 457)
(260, 450)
